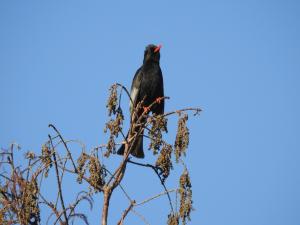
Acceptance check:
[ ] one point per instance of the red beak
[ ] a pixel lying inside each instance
(157, 48)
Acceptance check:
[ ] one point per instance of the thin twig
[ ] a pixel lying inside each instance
(52, 207)
(154, 197)
(62, 174)
(127, 92)
(130, 140)
(71, 141)
(196, 110)
(126, 212)
(5, 177)
(121, 186)
(58, 182)
(140, 216)
(158, 175)
(65, 144)
(84, 178)
(74, 205)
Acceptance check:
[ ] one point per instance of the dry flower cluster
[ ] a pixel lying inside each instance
(173, 219)
(114, 125)
(164, 161)
(46, 159)
(112, 100)
(97, 173)
(18, 196)
(158, 125)
(81, 166)
(182, 137)
(185, 191)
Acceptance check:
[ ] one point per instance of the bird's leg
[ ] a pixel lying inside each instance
(159, 99)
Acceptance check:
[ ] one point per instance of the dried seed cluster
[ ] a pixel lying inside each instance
(6, 206)
(30, 209)
(185, 192)
(97, 173)
(112, 100)
(164, 161)
(46, 159)
(111, 147)
(19, 201)
(182, 137)
(81, 162)
(158, 125)
(30, 155)
(173, 219)
(113, 125)
(2, 217)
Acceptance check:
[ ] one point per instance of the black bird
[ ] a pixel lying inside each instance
(147, 84)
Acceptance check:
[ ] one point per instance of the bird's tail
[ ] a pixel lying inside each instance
(136, 149)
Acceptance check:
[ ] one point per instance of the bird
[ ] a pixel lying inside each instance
(147, 85)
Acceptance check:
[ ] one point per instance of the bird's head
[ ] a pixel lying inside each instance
(152, 53)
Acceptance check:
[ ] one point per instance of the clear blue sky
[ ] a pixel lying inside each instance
(237, 60)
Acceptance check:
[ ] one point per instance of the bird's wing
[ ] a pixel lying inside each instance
(135, 89)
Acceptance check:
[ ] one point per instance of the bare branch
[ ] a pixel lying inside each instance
(140, 216)
(154, 197)
(52, 207)
(156, 170)
(58, 182)
(65, 144)
(195, 110)
(126, 212)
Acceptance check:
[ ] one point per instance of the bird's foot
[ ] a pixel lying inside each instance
(146, 109)
(159, 99)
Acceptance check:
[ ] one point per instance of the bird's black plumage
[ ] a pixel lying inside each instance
(147, 84)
